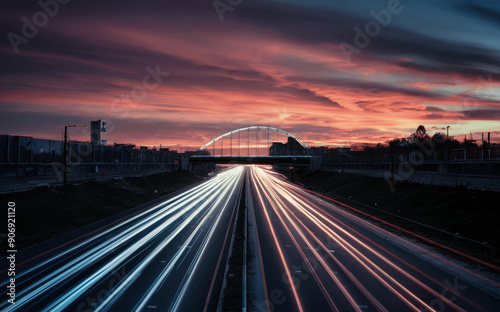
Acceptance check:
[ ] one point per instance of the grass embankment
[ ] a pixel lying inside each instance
(471, 213)
(44, 213)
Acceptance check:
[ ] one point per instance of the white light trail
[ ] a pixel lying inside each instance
(297, 214)
(174, 215)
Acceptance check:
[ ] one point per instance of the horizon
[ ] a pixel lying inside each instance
(85, 138)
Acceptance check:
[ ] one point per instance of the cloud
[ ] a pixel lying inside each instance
(269, 63)
(482, 114)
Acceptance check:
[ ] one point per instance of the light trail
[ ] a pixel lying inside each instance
(494, 267)
(308, 201)
(365, 261)
(279, 207)
(280, 251)
(174, 248)
(305, 221)
(154, 229)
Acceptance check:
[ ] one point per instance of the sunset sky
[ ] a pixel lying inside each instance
(303, 68)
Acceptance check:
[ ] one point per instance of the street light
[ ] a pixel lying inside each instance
(447, 143)
(65, 154)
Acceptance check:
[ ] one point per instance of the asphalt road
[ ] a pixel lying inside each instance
(311, 256)
(169, 257)
(316, 257)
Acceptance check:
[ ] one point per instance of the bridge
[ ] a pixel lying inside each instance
(260, 160)
(256, 136)
(254, 145)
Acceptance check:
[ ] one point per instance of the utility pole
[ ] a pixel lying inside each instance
(446, 156)
(65, 153)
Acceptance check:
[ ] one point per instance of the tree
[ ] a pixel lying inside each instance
(394, 143)
(420, 135)
(397, 143)
(469, 143)
(439, 138)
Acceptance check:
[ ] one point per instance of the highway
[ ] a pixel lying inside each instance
(147, 263)
(310, 255)
(317, 257)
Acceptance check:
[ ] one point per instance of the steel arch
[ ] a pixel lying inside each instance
(251, 128)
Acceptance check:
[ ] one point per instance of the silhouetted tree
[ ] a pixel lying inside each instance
(469, 143)
(453, 143)
(398, 142)
(419, 135)
(439, 138)
(394, 143)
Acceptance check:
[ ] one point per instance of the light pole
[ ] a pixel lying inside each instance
(447, 144)
(65, 153)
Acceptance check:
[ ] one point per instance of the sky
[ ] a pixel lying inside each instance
(180, 73)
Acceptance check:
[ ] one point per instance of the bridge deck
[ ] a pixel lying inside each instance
(269, 160)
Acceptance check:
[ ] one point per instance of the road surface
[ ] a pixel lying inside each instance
(316, 257)
(150, 262)
(310, 255)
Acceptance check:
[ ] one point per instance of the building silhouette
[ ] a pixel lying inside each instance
(98, 131)
(291, 147)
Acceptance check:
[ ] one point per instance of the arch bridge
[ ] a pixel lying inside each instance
(254, 145)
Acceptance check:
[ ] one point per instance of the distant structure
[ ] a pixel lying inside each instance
(277, 149)
(98, 131)
(292, 147)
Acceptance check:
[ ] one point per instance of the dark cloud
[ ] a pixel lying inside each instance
(434, 109)
(373, 87)
(434, 116)
(487, 12)
(482, 114)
